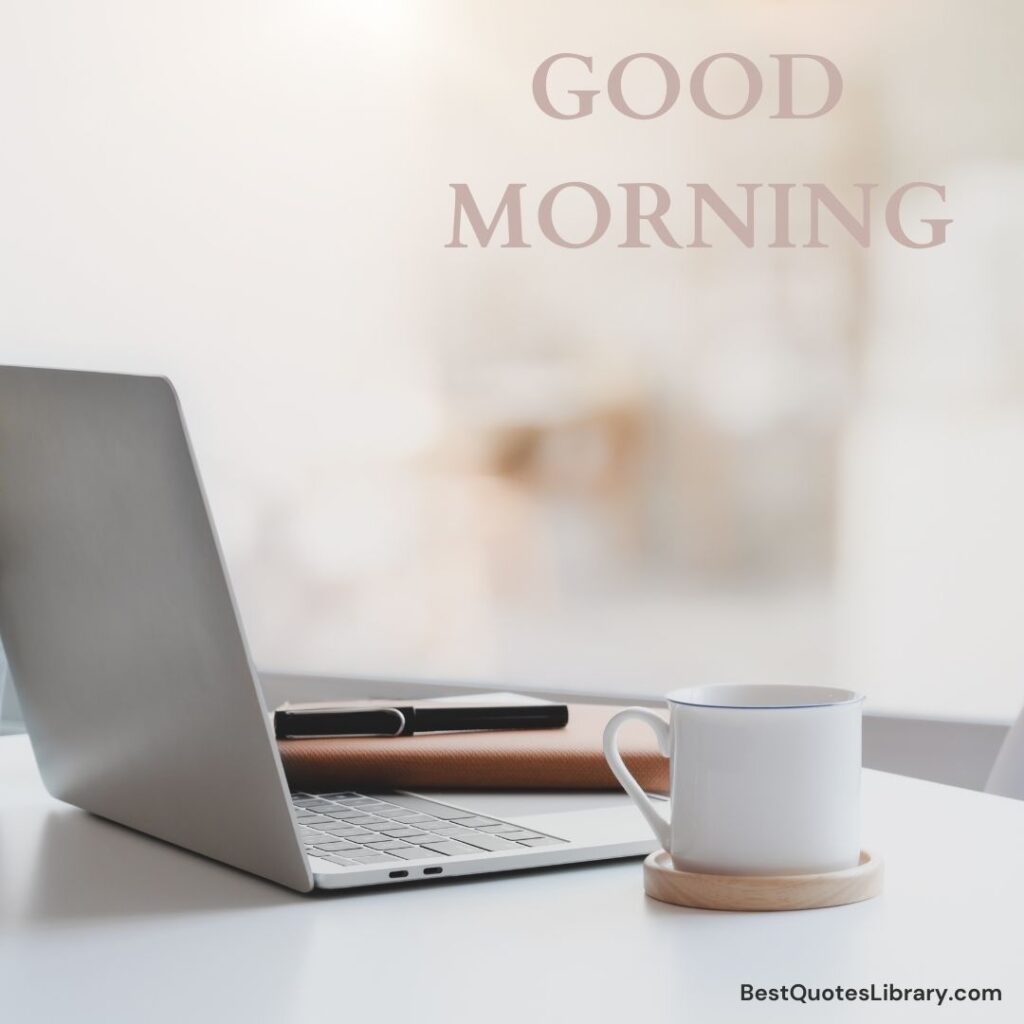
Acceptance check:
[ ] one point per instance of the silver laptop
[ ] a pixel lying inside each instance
(137, 687)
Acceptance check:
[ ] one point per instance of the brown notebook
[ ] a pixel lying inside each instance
(568, 758)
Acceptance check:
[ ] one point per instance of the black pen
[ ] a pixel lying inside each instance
(326, 721)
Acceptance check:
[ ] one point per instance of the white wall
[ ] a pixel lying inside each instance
(252, 198)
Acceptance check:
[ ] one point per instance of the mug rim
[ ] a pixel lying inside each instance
(729, 696)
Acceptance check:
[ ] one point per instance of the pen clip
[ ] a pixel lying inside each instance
(401, 722)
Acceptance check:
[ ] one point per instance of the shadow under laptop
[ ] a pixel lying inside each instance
(89, 868)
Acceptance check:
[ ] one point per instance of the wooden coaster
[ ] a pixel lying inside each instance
(761, 892)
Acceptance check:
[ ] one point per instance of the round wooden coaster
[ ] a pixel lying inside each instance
(761, 892)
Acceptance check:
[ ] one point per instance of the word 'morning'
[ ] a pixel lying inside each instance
(645, 209)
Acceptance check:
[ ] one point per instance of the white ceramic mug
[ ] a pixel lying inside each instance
(765, 780)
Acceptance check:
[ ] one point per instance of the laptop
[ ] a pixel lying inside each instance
(137, 687)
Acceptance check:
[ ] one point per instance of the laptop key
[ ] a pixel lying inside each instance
(368, 820)
(483, 840)
(449, 847)
(336, 844)
(429, 807)
(475, 821)
(356, 835)
(499, 828)
(387, 845)
(320, 819)
(371, 857)
(421, 819)
(338, 859)
(520, 834)
(399, 832)
(539, 841)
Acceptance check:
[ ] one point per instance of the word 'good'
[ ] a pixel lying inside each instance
(583, 104)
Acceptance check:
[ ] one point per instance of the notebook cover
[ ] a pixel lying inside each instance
(568, 758)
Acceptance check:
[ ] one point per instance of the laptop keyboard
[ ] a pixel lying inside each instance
(354, 830)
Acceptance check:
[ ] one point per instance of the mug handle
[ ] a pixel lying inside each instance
(662, 730)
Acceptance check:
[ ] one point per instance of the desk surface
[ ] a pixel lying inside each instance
(98, 923)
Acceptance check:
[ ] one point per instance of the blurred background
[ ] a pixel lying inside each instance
(613, 470)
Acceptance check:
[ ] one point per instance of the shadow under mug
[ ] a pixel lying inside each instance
(765, 780)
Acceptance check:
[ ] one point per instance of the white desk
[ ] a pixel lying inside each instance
(100, 924)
